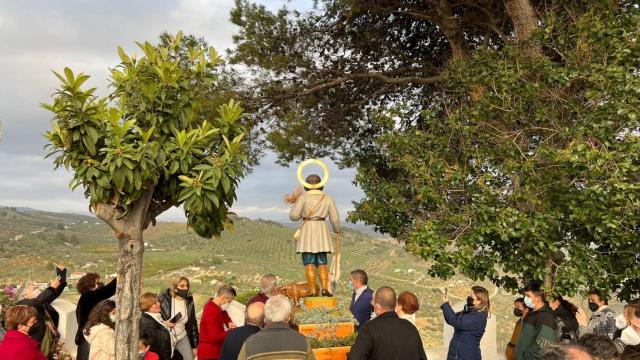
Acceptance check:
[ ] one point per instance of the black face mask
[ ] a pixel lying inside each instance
(32, 330)
(469, 302)
(182, 293)
(517, 312)
(593, 306)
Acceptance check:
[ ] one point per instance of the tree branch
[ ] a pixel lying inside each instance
(375, 76)
(141, 207)
(155, 209)
(525, 22)
(111, 214)
(451, 29)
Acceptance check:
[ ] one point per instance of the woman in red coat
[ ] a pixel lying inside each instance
(212, 332)
(17, 345)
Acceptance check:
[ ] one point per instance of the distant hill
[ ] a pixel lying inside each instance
(33, 241)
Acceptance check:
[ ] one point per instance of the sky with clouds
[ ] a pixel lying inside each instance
(39, 36)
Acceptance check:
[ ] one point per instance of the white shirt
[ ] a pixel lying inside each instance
(180, 306)
(359, 292)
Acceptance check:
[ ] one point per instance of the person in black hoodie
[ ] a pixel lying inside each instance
(92, 291)
(156, 329)
(567, 325)
(177, 299)
(41, 301)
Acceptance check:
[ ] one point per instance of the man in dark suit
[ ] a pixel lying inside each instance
(236, 338)
(387, 336)
(360, 307)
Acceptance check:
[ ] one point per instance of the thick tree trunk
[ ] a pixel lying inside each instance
(129, 230)
(525, 22)
(128, 292)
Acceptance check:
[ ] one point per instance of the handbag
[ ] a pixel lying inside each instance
(298, 233)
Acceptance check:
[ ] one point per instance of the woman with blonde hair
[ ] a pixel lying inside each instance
(468, 325)
(177, 303)
(157, 330)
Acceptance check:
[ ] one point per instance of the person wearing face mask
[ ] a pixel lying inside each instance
(92, 291)
(520, 310)
(47, 320)
(387, 336)
(177, 300)
(99, 331)
(212, 324)
(144, 348)
(469, 325)
(162, 339)
(17, 345)
(603, 319)
(538, 327)
(629, 324)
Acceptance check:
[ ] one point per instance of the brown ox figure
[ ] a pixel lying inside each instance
(295, 291)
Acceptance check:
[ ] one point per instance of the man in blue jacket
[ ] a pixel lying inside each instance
(360, 307)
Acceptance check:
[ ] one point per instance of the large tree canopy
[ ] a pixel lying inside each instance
(496, 138)
(153, 143)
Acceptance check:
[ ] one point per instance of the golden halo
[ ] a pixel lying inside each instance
(325, 172)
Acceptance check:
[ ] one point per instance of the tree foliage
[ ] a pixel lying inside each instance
(151, 144)
(155, 130)
(503, 145)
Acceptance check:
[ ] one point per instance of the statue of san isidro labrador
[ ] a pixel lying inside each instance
(313, 239)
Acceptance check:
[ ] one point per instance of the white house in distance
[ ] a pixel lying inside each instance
(76, 275)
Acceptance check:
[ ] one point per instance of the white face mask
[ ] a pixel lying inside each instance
(528, 302)
(225, 307)
(630, 336)
(112, 317)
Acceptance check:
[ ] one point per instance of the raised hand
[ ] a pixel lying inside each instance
(582, 317)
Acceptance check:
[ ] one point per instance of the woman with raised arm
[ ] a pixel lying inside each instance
(45, 330)
(468, 325)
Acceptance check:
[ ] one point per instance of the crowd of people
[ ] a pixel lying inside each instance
(555, 329)
(547, 328)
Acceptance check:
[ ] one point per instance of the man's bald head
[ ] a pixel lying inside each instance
(385, 298)
(255, 314)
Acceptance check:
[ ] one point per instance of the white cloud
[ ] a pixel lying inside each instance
(40, 36)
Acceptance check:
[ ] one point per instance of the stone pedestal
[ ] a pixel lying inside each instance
(488, 344)
(320, 302)
(67, 324)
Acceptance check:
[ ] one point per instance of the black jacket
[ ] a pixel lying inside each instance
(42, 303)
(387, 337)
(567, 324)
(234, 341)
(191, 326)
(87, 302)
(158, 334)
